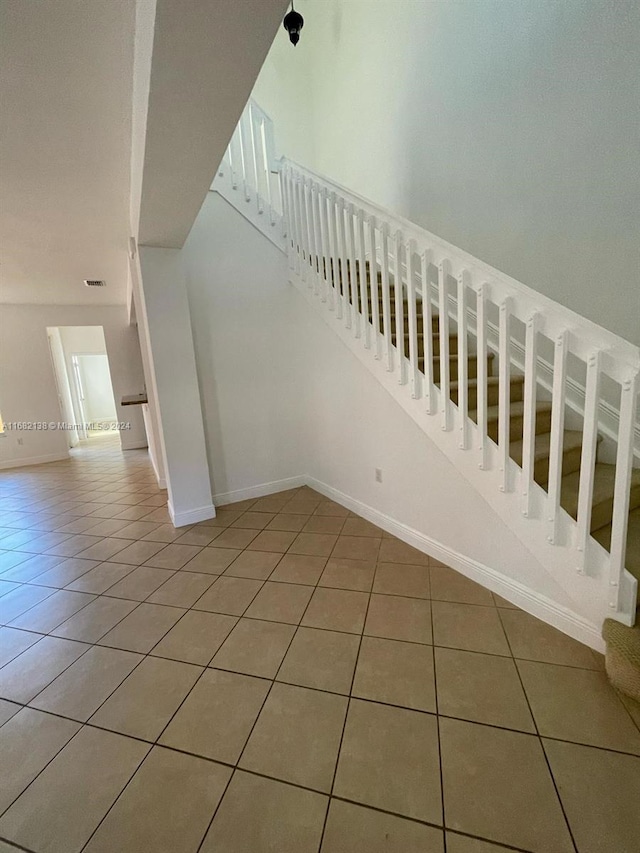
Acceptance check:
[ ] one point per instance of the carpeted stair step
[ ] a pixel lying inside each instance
(571, 450)
(603, 490)
(516, 419)
(493, 389)
(472, 366)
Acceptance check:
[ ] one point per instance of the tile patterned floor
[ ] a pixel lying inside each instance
(285, 677)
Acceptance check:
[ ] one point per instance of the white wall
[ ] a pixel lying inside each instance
(508, 128)
(246, 325)
(27, 384)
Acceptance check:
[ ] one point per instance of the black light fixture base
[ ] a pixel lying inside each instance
(293, 23)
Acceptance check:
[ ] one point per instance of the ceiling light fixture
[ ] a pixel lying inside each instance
(293, 23)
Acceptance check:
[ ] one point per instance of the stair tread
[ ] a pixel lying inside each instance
(572, 441)
(603, 488)
(516, 409)
(491, 380)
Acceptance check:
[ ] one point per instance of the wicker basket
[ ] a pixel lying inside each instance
(622, 660)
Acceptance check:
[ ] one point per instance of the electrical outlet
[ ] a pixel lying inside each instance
(378, 475)
(20, 441)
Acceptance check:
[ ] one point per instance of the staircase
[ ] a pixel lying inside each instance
(514, 388)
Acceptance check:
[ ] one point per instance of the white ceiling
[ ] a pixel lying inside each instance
(67, 94)
(66, 72)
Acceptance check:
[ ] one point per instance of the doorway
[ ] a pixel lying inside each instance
(83, 380)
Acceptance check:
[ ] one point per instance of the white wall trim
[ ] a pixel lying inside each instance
(537, 605)
(136, 444)
(33, 460)
(191, 516)
(259, 491)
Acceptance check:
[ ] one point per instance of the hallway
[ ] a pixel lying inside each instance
(285, 678)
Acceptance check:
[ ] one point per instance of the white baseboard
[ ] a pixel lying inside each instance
(259, 491)
(134, 444)
(33, 460)
(548, 611)
(191, 516)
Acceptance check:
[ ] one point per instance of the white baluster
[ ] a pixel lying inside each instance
(292, 237)
(444, 268)
(557, 433)
(317, 237)
(325, 243)
(353, 274)
(245, 154)
(588, 458)
(481, 383)
(410, 249)
(386, 305)
(427, 331)
(373, 281)
(310, 235)
(622, 488)
(530, 399)
(254, 140)
(399, 305)
(463, 364)
(336, 301)
(301, 229)
(343, 287)
(234, 159)
(362, 261)
(504, 394)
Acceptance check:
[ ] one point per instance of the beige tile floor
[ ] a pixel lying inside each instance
(285, 678)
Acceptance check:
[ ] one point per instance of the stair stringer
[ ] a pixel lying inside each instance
(591, 592)
(268, 222)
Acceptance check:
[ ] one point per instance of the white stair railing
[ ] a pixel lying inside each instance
(249, 168)
(363, 265)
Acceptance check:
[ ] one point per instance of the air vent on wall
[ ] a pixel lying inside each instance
(95, 282)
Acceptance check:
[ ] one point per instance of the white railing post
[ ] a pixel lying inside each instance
(291, 222)
(529, 424)
(504, 394)
(245, 154)
(622, 487)
(364, 296)
(398, 292)
(254, 140)
(375, 291)
(317, 237)
(386, 306)
(309, 234)
(427, 331)
(410, 249)
(588, 458)
(463, 363)
(444, 269)
(326, 246)
(353, 276)
(343, 285)
(481, 382)
(304, 266)
(557, 433)
(334, 298)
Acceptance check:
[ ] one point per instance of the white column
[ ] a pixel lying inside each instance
(166, 308)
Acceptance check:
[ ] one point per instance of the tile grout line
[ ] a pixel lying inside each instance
(349, 697)
(541, 743)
